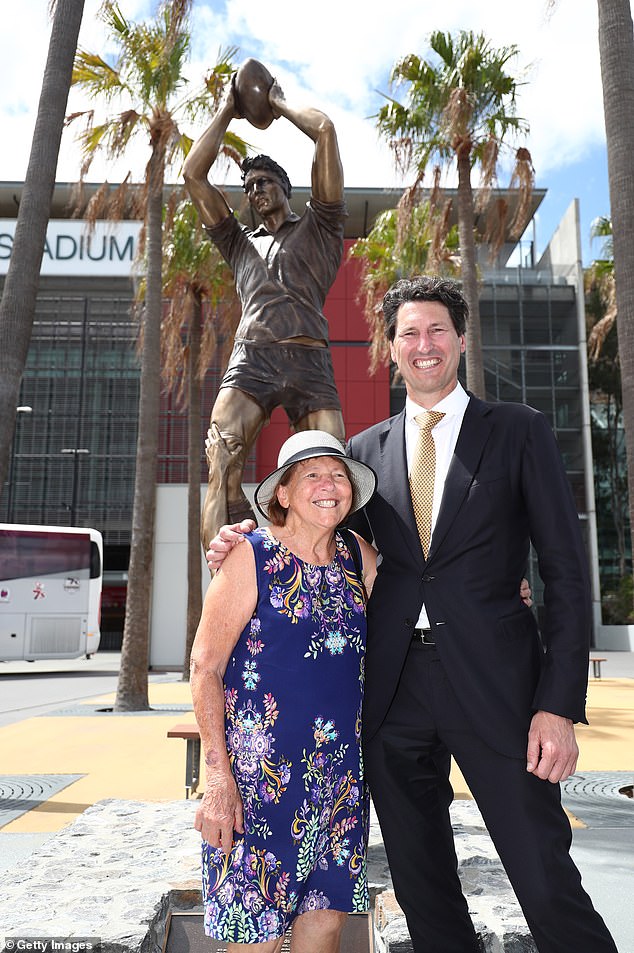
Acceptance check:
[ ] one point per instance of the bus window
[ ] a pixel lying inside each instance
(50, 591)
(95, 561)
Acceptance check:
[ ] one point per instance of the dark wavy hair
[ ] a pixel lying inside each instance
(425, 288)
(270, 165)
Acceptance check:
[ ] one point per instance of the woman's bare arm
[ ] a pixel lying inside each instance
(229, 604)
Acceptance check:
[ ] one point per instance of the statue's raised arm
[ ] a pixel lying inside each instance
(327, 170)
(209, 200)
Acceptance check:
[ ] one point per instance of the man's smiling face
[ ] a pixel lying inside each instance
(427, 349)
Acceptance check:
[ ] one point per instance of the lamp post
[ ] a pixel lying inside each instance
(76, 452)
(77, 449)
(14, 447)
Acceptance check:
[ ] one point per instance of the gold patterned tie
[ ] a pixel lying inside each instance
(421, 481)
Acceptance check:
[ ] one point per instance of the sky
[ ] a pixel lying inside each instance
(337, 56)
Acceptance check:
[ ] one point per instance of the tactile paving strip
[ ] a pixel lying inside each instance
(594, 797)
(21, 793)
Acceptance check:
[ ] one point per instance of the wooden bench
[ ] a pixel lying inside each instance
(596, 666)
(191, 734)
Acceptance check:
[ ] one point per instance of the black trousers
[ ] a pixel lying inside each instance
(407, 767)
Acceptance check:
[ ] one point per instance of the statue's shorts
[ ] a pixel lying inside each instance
(297, 377)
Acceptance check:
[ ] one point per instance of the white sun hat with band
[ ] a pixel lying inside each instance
(316, 443)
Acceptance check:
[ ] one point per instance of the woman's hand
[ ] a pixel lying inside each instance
(220, 812)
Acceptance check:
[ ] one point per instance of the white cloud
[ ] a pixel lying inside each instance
(336, 55)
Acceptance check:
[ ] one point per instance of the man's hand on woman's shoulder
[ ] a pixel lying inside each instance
(227, 537)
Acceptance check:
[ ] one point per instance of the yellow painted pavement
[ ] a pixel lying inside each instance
(122, 756)
(130, 757)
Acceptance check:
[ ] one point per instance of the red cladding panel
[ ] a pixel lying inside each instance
(358, 364)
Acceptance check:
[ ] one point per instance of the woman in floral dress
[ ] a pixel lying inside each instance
(277, 683)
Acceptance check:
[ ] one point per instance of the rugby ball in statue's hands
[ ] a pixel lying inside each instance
(251, 85)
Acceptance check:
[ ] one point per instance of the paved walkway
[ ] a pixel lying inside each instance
(57, 763)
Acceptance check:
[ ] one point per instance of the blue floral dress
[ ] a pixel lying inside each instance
(293, 695)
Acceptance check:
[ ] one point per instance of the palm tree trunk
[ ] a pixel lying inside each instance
(194, 572)
(20, 288)
(466, 227)
(616, 47)
(132, 686)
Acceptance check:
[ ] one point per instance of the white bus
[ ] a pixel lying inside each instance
(50, 591)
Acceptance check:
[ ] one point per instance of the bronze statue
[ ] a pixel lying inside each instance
(283, 271)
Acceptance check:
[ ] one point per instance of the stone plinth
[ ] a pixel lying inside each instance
(112, 874)
(122, 865)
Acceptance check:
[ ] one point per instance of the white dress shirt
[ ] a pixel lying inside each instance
(445, 436)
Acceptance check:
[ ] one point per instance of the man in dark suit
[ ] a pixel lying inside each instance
(455, 662)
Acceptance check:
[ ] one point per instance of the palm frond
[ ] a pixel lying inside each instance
(495, 234)
(601, 227)
(599, 280)
(95, 77)
(403, 241)
(97, 204)
(599, 334)
(194, 273)
(488, 155)
(523, 178)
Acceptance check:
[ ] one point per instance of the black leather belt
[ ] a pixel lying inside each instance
(424, 636)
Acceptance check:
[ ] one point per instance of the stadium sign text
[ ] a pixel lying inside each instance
(72, 249)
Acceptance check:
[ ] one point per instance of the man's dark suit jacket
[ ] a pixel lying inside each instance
(506, 487)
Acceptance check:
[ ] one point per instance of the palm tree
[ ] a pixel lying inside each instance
(460, 107)
(607, 432)
(601, 227)
(616, 48)
(402, 241)
(599, 281)
(604, 379)
(202, 313)
(20, 287)
(145, 82)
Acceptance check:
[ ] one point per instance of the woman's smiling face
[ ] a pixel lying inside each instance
(318, 491)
